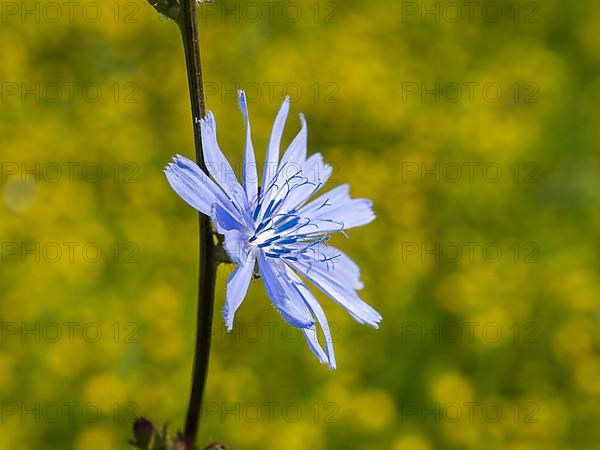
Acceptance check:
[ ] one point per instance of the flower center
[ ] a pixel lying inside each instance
(287, 236)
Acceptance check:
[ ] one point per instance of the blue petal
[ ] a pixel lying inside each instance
(317, 310)
(289, 177)
(216, 163)
(224, 220)
(192, 185)
(272, 159)
(240, 202)
(347, 269)
(315, 173)
(250, 175)
(295, 313)
(336, 210)
(291, 187)
(295, 155)
(313, 343)
(203, 194)
(292, 291)
(237, 286)
(334, 285)
(317, 170)
(237, 247)
(328, 199)
(330, 259)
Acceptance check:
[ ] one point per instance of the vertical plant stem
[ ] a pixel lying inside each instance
(208, 264)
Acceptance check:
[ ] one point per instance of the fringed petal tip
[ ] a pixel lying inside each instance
(369, 205)
(330, 362)
(327, 360)
(169, 168)
(207, 120)
(324, 360)
(179, 163)
(367, 315)
(375, 320)
(376, 326)
(180, 160)
(228, 318)
(242, 102)
(312, 340)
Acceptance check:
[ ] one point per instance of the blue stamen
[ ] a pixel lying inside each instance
(287, 225)
(262, 226)
(281, 251)
(268, 242)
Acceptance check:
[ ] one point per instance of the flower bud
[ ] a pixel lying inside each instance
(144, 432)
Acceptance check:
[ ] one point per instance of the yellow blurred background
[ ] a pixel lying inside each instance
(473, 127)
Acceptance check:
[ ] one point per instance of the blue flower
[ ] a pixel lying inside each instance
(277, 229)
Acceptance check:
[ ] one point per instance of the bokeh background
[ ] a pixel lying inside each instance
(362, 72)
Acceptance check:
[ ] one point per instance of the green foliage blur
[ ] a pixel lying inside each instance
(364, 73)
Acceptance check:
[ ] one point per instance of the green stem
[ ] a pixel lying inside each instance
(208, 263)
